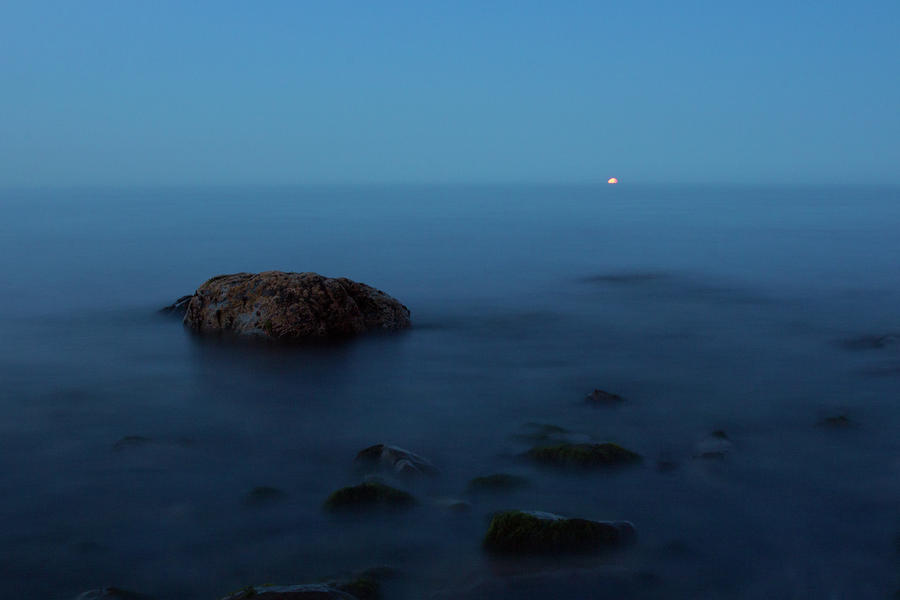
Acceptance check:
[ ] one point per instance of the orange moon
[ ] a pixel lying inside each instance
(612, 180)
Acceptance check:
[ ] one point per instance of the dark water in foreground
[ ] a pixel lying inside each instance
(707, 308)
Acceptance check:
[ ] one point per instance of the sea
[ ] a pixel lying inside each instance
(764, 319)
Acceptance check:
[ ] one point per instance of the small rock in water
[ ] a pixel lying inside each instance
(111, 593)
(534, 532)
(715, 446)
(498, 482)
(131, 441)
(361, 586)
(602, 398)
(394, 460)
(837, 422)
(179, 307)
(263, 495)
(367, 496)
(453, 505)
(309, 591)
(543, 433)
(872, 342)
(601, 455)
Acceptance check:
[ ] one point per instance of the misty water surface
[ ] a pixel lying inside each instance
(707, 308)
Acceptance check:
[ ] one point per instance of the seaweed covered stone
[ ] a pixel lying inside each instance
(605, 454)
(367, 496)
(291, 307)
(534, 532)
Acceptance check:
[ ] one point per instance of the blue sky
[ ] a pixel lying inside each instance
(172, 93)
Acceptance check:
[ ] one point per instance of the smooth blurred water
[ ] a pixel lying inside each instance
(706, 307)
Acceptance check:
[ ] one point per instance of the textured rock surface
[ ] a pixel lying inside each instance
(394, 460)
(291, 306)
(533, 532)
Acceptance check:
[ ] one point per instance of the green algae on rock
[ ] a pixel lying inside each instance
(534, 532)
(291, 307)
(369, 495)
(605, 454)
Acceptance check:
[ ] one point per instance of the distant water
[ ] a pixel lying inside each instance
(707, 308)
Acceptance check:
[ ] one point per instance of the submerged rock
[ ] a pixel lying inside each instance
(533, 532)
(394, 460)
(872, 342)
(715, 446)
(498, 482)
(131, 441)
(367, 496)
(544, 433)
(453, 505)
(179, 307)
(362, 586)
(836, 422)
(291, 306)
(307, 591)
(606, 454)
(112, 593)
(602, 398)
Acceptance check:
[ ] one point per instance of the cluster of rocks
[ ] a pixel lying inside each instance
(307, 306)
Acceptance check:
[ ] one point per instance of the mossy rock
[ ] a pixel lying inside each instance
(496, 483)
(369, 495)
(526, 532)
(585, 456)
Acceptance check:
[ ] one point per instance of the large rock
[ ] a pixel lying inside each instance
(535, 532)
(291, 306)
